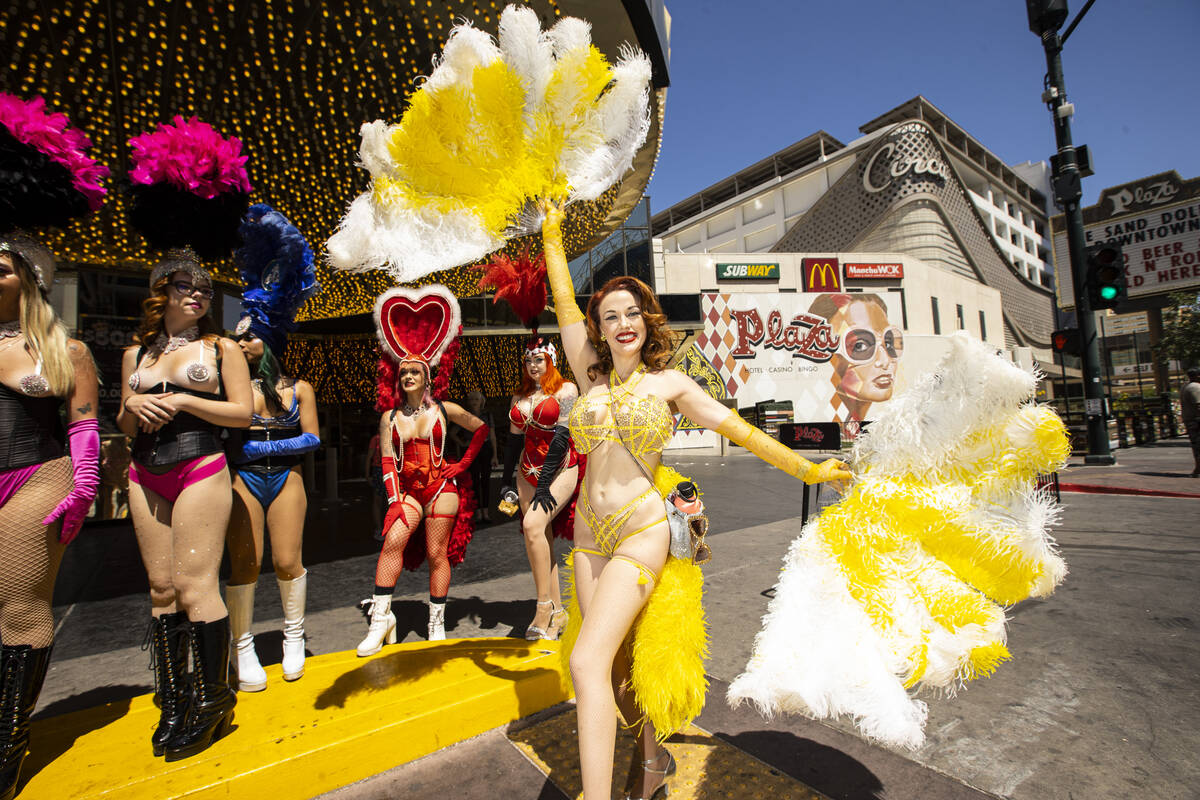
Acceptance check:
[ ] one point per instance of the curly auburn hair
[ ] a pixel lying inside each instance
(656, 352)
(154, 308)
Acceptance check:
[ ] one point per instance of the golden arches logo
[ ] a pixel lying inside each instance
(821, 275)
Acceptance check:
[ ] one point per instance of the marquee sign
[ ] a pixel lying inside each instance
(1161, 246)
(873, 271)
(821, 275)
(748, 272)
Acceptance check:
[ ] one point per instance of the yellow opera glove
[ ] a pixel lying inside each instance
(738, 431)
(561, 285)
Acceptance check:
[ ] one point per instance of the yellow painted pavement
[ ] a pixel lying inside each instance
(347, 719)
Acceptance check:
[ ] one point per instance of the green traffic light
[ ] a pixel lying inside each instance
(1108, 292)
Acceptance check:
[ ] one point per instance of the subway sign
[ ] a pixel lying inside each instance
(747, 272)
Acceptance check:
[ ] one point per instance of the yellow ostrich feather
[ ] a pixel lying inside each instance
(668, 641)
(496, 127)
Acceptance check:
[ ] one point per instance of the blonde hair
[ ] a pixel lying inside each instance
(44, 332)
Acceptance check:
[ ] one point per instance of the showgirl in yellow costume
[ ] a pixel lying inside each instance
(636, 640)
(498, 127)
(902, 584)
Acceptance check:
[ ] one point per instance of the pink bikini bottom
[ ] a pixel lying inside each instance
(11, 481)
(171, 483)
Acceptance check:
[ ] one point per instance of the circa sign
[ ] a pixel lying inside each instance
(748, 272)
(898, 166)
(873, 271)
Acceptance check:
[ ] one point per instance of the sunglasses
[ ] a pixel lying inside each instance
(188, 289)
(859, 345)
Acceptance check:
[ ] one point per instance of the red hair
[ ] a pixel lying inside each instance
(552, 379)
(657, 349)
(388, 394)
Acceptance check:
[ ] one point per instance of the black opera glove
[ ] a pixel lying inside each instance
(514, 445)
(555, 455)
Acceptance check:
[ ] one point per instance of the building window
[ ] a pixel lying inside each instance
(982, 325)
(937, 322)
(958, 315)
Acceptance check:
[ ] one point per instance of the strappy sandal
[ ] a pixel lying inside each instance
(666, 772)
(533, 632)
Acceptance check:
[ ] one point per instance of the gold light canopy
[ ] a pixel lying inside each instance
(294, 81)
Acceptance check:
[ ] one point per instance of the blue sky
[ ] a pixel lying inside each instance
(749, 77)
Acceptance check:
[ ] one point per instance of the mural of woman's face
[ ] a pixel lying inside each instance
(865, 365)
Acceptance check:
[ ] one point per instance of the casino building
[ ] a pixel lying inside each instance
(933, 230)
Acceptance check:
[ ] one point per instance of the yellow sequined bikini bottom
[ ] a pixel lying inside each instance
(606, 530)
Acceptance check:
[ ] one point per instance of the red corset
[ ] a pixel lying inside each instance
(417, 468)
(539, 430)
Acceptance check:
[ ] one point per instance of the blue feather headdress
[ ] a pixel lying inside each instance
(276, 264)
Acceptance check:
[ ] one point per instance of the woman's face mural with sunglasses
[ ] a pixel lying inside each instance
(868, 354)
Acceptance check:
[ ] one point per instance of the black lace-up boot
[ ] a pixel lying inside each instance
(210, 713)
(22, 671)
(168, 641)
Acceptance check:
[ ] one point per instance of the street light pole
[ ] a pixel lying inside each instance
(1068, 191)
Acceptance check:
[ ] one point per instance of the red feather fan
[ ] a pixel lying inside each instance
(520, 281)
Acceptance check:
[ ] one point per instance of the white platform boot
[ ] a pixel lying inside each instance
(383, 626)
(293, 594)
(240, 602)
(437, 622)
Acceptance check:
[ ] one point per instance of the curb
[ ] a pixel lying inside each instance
(347, 719)
(1087, 488)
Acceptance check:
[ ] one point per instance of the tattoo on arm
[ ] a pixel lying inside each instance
(85, 408)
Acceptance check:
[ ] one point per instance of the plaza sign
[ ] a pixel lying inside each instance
(748, 272)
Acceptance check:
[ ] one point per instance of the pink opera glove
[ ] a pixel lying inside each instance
(84, 438)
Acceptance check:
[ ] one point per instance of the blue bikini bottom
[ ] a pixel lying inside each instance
(265, 484)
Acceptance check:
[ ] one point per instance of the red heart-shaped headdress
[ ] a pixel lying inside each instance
(417, 324)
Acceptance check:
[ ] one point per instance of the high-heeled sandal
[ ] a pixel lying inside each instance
(558, 623)
(666, 772)
(533, 632)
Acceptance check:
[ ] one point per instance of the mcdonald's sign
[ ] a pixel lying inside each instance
(821, 275)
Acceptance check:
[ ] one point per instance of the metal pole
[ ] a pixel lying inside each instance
(1107, 356)
(1068, 192)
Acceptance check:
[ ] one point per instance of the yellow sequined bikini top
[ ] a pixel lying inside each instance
(645, 423)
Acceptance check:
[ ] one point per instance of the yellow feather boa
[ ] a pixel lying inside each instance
(669, 639)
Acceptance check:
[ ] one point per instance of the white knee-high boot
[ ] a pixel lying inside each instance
(293, 594)
(437, 621)
(240, 602)
(383, 626)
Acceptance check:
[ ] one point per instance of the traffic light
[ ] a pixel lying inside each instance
(1065, 341)
(1045, 15)
(1106, 276)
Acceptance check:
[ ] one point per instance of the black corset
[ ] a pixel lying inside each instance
(31, 430)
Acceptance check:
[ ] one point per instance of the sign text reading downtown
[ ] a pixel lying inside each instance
(748, 272)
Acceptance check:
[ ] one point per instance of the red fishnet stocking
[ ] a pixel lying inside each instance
(30, 555)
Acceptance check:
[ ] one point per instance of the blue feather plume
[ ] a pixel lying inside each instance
(276, 265)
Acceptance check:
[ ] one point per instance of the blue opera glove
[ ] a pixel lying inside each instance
(253, 450)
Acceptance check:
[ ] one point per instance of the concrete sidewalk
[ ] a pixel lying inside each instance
(1162, 467)
(1099, 700)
